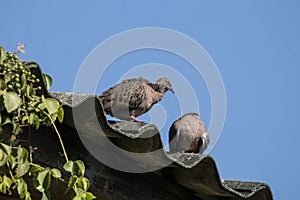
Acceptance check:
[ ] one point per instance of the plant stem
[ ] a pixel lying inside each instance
(59, 137)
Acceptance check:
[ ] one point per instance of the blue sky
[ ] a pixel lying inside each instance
(253, 43)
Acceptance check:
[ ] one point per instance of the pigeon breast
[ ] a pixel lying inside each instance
(188, 134)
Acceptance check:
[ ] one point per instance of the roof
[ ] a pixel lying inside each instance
(190, 176)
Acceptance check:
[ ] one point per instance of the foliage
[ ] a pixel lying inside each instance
(21, 106)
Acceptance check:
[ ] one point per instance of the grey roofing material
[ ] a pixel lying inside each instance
(192, 176)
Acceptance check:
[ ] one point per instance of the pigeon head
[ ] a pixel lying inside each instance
(166, 84)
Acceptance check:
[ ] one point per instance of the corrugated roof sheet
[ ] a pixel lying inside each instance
(192, 176)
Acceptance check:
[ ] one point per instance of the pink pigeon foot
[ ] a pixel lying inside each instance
(134, 118)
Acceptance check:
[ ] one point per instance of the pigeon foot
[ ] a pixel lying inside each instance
(134, 118)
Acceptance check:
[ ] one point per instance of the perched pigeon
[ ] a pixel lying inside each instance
(133, 97)
(188, 134)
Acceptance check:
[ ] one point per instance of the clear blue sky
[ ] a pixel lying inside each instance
(255, 45)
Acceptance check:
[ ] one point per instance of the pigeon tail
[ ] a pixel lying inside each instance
(205, 141)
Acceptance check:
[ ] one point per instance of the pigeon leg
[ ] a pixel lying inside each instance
(134, 118)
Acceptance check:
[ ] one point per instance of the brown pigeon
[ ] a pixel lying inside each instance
(188, 134)
(133, 97)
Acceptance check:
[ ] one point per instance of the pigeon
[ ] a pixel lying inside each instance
(134, 97)
(188, 135)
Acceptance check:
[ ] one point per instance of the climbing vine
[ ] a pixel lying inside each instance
(22, 105)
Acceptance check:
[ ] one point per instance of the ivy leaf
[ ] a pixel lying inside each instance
(6, 148)
(42, 181)
(5, 184)
(23, 81)
(55, 173)
(42, 106)
(12, 161)
(71, 183)
(52, 105)
(16, 128)
(11, 101)
(68, 166)
(34, 169)
(83, 183)
(37, 122)
(27, 196)
(2, 55)
(90, 196)
(7, 78)
(46, 195)
(80, 194)
(21, 187)
(6, 120)
(79, 168)
(60, 114)
(22, 168)
(3, 158)
(31, 118)
(7, 181)
(22, 154)
(47, 80)
(78, 197)
(2, 84)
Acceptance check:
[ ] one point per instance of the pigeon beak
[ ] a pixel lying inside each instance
(171, 89)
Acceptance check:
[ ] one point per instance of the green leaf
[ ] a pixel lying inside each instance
(68, 166)
(55, 173)
(22, 154)
(79, 168)
(5, 184)
(5, 120)
(7, 78)
(47, 181)
(22, 168)
(2, 55)
(77, 198)
(60, 114)
(37, 122)
(80, 193)
(21, 187)
(83, 183)
(42, 106)
(6, 148)
(71, 183)
(42, 180)
(47, 80)
(7, 181)
(24, 119)
(34, 169)
(2, 84)
(53, 117)
(4, 159)
(23, 81)
(27, 196)
(31, 118)
(2, 154)
(12, 161)
(16, 128)
(12, 101)
(90, 196)
(52, 105)
(46, 195)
